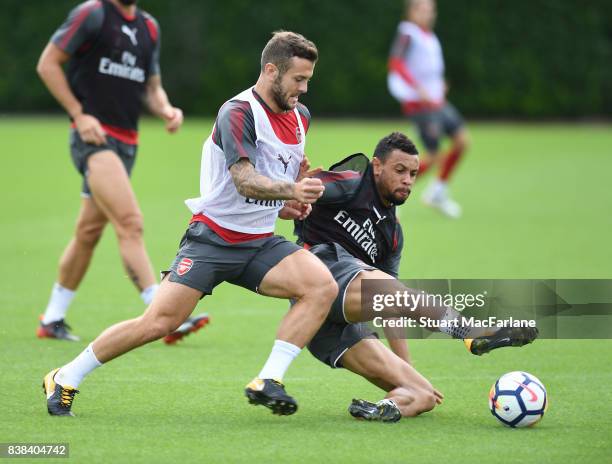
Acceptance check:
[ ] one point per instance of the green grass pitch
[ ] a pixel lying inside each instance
(537, 204)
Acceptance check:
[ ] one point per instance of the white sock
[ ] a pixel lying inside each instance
(58, 304)
(74, 372)
(438, 188)
(148, 293)
(283, 353)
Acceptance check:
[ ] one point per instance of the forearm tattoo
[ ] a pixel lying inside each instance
(250, 184)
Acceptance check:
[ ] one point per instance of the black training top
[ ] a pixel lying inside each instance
(112, 57)
(351, 214)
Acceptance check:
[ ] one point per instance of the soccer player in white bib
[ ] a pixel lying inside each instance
(416, 81)
(253, 171)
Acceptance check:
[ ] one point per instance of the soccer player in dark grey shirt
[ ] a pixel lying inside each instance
(111, 52)
(354, 230)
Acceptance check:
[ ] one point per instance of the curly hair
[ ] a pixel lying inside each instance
(394, 141)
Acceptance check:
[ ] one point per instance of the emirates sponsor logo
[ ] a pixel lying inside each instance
(266, 203)
(184, 266)
(364, 234)
(127, 69)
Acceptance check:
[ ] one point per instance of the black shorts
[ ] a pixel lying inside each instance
(204, 259)
(337, 335)
(81, 151)
(433, 124)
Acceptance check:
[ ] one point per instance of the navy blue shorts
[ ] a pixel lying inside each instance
(337, 335)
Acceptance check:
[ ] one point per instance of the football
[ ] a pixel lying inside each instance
(518, 399)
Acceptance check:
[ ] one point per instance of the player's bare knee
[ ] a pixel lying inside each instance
(88, 235)
(129, 226)
(160, 327)
(327, 290)
(324, 294)
(322, 289)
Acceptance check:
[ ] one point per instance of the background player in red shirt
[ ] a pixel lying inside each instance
(416, 80)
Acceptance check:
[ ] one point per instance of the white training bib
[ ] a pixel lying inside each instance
(425, 62)
(221, 202)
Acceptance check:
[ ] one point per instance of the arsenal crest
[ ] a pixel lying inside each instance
(184, 266)
(298, 134)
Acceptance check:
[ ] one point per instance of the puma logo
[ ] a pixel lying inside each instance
(131, 33)
(380, 218)
(285, 163)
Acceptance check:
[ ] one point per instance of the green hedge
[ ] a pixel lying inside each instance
(521, 58)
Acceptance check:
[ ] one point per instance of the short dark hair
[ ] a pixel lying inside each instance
(394, 141)
(283, 46)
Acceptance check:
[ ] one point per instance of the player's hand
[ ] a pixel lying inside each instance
(295, 210)
(89, 129)
(439, 396)
(308, 190)
(305, 170)
(174, 119)
(425, 98)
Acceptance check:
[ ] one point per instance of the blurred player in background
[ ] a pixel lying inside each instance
(253, 171)
(416, 80)
(353, 229)
(112, 49)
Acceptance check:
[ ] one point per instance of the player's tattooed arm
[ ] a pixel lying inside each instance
(251, 184)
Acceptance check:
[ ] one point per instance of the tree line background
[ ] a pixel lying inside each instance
(504, 58)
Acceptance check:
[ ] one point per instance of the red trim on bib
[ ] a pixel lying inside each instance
(230, 236)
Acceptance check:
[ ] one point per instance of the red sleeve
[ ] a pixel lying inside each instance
(339, 186)
(153, 28)
(396, 63)
(82, 25)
